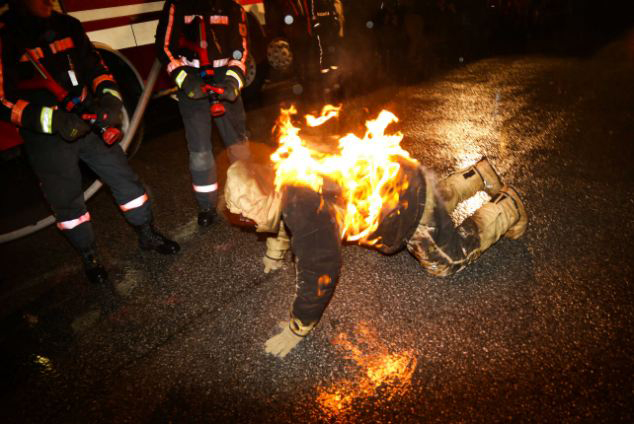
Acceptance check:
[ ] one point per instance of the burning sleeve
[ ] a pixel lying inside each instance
(238, 44)
(20, 112)
(398, 224)
(97, 75)
(316, 244)
(167, 35)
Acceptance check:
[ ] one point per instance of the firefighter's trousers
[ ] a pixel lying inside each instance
(56, 163)
(440, 247)
(444, 250)
(202, 165)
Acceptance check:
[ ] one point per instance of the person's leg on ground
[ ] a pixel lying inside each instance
(463, 184)
(444, 250)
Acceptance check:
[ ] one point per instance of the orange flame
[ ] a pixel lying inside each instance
(384, 375)
(365, 168)
(327, 112)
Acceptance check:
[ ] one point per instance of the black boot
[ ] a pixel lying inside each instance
(206, 217)
(95, 272)
(150, 239)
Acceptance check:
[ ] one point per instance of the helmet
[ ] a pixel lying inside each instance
(250, 192)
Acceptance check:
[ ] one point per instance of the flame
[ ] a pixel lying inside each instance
(365, 169)
(327, 112)
(384, 375)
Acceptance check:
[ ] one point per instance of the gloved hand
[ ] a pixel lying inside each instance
(283, 342)
(231, 89)
(276, 248)
(108, 110)
(189, 80)
(69, 125)
(271, 264)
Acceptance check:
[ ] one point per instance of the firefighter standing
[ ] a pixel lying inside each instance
(204, 43)
(45, 55)
(315, 29)
(421, 222)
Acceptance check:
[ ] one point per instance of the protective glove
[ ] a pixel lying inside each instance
(283, 342)
(286, 340)
(276, 248)
(108, 110)
(69, 125)
(231, 89)
(189, 80)
(271, 264)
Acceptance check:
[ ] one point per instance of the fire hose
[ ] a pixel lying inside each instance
(125, 142)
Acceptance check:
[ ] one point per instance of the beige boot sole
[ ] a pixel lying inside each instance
(491, 178)
(519, 228)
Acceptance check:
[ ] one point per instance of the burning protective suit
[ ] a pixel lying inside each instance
(50, 74)
(420, 221)
(204, 44)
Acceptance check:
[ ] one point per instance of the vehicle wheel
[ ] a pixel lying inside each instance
(255, 76)
(257, 68)
(279, 55)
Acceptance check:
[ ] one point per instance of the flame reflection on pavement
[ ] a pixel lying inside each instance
(382, 377)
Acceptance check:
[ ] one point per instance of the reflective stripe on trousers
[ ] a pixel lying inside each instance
(72, 223)
(205, 188)
(134, 203)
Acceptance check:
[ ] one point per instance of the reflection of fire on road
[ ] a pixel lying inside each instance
(383, 376)
(365, 169)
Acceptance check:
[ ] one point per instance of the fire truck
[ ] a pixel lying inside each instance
(123, 31)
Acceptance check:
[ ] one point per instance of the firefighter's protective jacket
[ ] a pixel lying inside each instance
(58, 44)
(203, 33)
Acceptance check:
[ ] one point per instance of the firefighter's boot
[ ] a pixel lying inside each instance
(463, 184)
(504, 215)
(150, 239)
(95, 272)
(206, 217)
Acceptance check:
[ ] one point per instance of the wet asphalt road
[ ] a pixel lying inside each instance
(538, 330)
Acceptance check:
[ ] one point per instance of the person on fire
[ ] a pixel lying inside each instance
(204, 46)
(50, 74)
(315, 207)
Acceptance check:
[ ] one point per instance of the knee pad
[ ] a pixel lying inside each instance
(200, 161)
(238, 151)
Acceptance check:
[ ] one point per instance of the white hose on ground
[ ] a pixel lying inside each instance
(127, 138)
